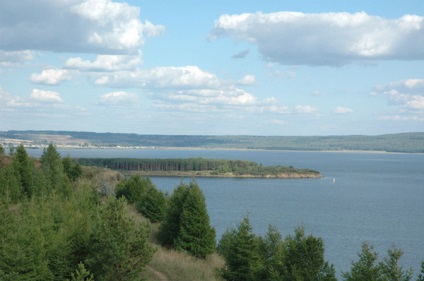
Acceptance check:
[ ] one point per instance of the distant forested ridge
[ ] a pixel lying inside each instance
(403, 142)
(198, 167)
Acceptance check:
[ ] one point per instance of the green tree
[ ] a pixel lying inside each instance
(366, 268)
(304, 258)
(52, 166)
(82, 274)
(170, 228)
(71, 169)
(120, 248)
(1, 151)
(390, 268)
(23, 169)
(240, 249)
(134, 188)
(22, 246)
(196, 236)
(153, 205)
(271, 251)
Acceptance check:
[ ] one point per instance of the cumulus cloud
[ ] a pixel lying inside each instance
(45, 96)
(105, 63)
(51, 76)
(89, 26)
(326, 38)
(342, 110)
(247, 80)
(408, 94)
(170, 77)
(119, 98)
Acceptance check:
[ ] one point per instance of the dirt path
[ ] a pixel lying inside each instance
(159, 275)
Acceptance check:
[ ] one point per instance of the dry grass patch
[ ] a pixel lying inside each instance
(177, 266)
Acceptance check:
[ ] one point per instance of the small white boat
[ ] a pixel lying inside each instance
(334, 180)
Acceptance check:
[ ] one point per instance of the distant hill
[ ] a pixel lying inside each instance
(403, 142)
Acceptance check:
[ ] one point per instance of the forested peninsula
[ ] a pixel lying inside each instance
(199, 167)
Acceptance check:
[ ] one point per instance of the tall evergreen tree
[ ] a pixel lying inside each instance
(366, 268)
(390, 268)
(120, 248)
(153, 205)
(241, 253)
(304, 258)
(23, 169)
(134, 188)
(52, 166)
(196, 236)
(170, 228)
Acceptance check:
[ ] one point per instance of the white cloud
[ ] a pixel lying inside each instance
(305, 109)
(162, 77)
(408, 94)
(249, 79)
(342, 110)
(73, 26)
(105, 63)
(13, 58)
(45, 96)
(326, 38)
(119, 98)
(51, 76)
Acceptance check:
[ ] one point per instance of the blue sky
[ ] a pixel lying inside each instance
(212, 67)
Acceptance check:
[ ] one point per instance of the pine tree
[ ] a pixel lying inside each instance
(120, 248)
(196, 236)
(22, 167)
(134, 188)
(52, 166)
(304, 258)
(366, 268)
(152, 205)
(82, 274)
(170, 228)
(241, 253)
(390, 268)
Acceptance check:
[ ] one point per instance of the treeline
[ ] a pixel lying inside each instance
(404, 142)
(217, 166)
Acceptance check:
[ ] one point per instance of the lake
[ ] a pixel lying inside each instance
(377, 197)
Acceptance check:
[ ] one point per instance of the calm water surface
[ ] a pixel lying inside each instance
(377, 197)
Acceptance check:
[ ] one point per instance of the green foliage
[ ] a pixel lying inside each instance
(240, 249)
(119, 248)
(390, 268)
(82, 274)
(296, 257)
(1, 151)
(52, 166)
(170, 228)
(215, 166)
(186, 225)
(366, 268)
(196, 236)
(304, 258)
(134, 188)
(71, 169)
(153, 205)
(22, 167)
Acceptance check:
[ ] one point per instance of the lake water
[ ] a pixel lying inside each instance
(377, 197)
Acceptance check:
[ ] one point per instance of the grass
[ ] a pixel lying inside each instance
(178, 266)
